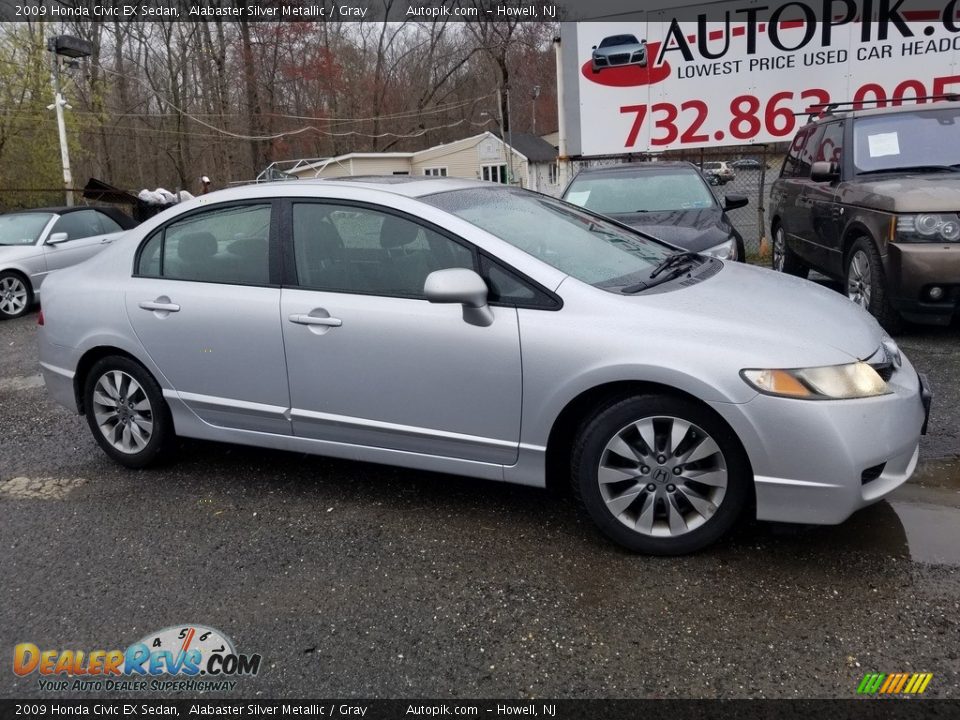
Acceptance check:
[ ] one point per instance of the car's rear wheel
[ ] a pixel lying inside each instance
(866, 284)
(16, 296)
(783, 258)
(126, 412)
(660, 475)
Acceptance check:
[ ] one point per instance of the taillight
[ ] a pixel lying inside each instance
(40, 318)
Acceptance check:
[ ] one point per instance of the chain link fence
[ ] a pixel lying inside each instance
(753, 168)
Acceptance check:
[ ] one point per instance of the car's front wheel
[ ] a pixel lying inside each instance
(784, 259)
(866, 284)
(15, 295)
(126, 412)
(660, 475)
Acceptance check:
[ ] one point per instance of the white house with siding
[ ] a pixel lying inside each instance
(481, 157)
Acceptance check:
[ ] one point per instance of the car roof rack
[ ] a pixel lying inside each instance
(819, 110)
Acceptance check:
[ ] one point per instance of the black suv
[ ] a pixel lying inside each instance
(871, 198)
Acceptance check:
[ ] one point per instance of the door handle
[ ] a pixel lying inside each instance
(158, 306)
(300, 319)
(105, 241)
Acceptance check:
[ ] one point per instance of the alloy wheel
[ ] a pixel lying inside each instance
(13, 295)
(123, 412)
(662, 476)
(859, 279)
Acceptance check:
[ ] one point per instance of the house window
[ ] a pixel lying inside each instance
(435, 171)
(554, 173)
(494, 173)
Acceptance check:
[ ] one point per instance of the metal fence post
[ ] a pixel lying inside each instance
(761, 209)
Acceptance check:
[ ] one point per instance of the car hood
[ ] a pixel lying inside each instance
(910, 192)
(695, 230)
(776, 320)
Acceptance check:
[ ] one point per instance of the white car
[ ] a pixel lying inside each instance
(34, 243)
(718, 172)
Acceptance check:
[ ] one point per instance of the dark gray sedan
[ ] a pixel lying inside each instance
(668, 200)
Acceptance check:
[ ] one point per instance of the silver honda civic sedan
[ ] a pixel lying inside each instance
(471, 328)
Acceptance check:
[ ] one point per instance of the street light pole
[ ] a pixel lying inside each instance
(58, 103)
(64, 46)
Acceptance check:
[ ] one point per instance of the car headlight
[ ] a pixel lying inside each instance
(832, 382)
(928, 227)
(726, 250)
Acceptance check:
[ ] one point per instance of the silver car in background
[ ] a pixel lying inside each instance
(618, 51)
(34, 243)
(470, 328)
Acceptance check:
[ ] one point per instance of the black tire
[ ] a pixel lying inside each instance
(603, 427)
(783, 259)
(14, 290)
(741, 251)
(878, 302)
(161, 434)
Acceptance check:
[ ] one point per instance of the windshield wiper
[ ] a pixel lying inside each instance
(647, 284)
(679, 261)
(675, 259)
(919, 168)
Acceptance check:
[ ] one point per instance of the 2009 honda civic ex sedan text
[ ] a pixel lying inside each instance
(471, 328)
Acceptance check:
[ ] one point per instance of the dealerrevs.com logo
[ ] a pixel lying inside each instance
(185, 657)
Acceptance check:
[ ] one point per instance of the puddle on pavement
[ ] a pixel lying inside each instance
(932, 532)
(920, 520)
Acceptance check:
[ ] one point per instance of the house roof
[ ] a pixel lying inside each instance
(533, 147)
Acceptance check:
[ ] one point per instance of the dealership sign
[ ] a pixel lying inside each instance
(740, 74)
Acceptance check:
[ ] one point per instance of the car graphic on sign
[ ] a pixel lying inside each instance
(618, 51)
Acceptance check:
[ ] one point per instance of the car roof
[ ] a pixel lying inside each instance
(636, 167)
(413, 186)
(61, 209)
(121, 218)
(839, 114)
(54, 210)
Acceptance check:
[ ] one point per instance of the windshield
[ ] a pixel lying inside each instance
(902, 140)
(22, 228)
(614, 40)
(662, 190)
(571, 240)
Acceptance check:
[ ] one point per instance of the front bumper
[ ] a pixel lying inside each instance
(913, 268)
(817, 462)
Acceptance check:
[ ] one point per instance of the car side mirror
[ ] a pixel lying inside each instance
(594, 47)
(825, 171)
(57, 238)
(463, 286)
(732, 202)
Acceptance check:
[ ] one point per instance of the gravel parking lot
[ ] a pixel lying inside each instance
(360, 580)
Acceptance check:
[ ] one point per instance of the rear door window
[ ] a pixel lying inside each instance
(226, 245)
